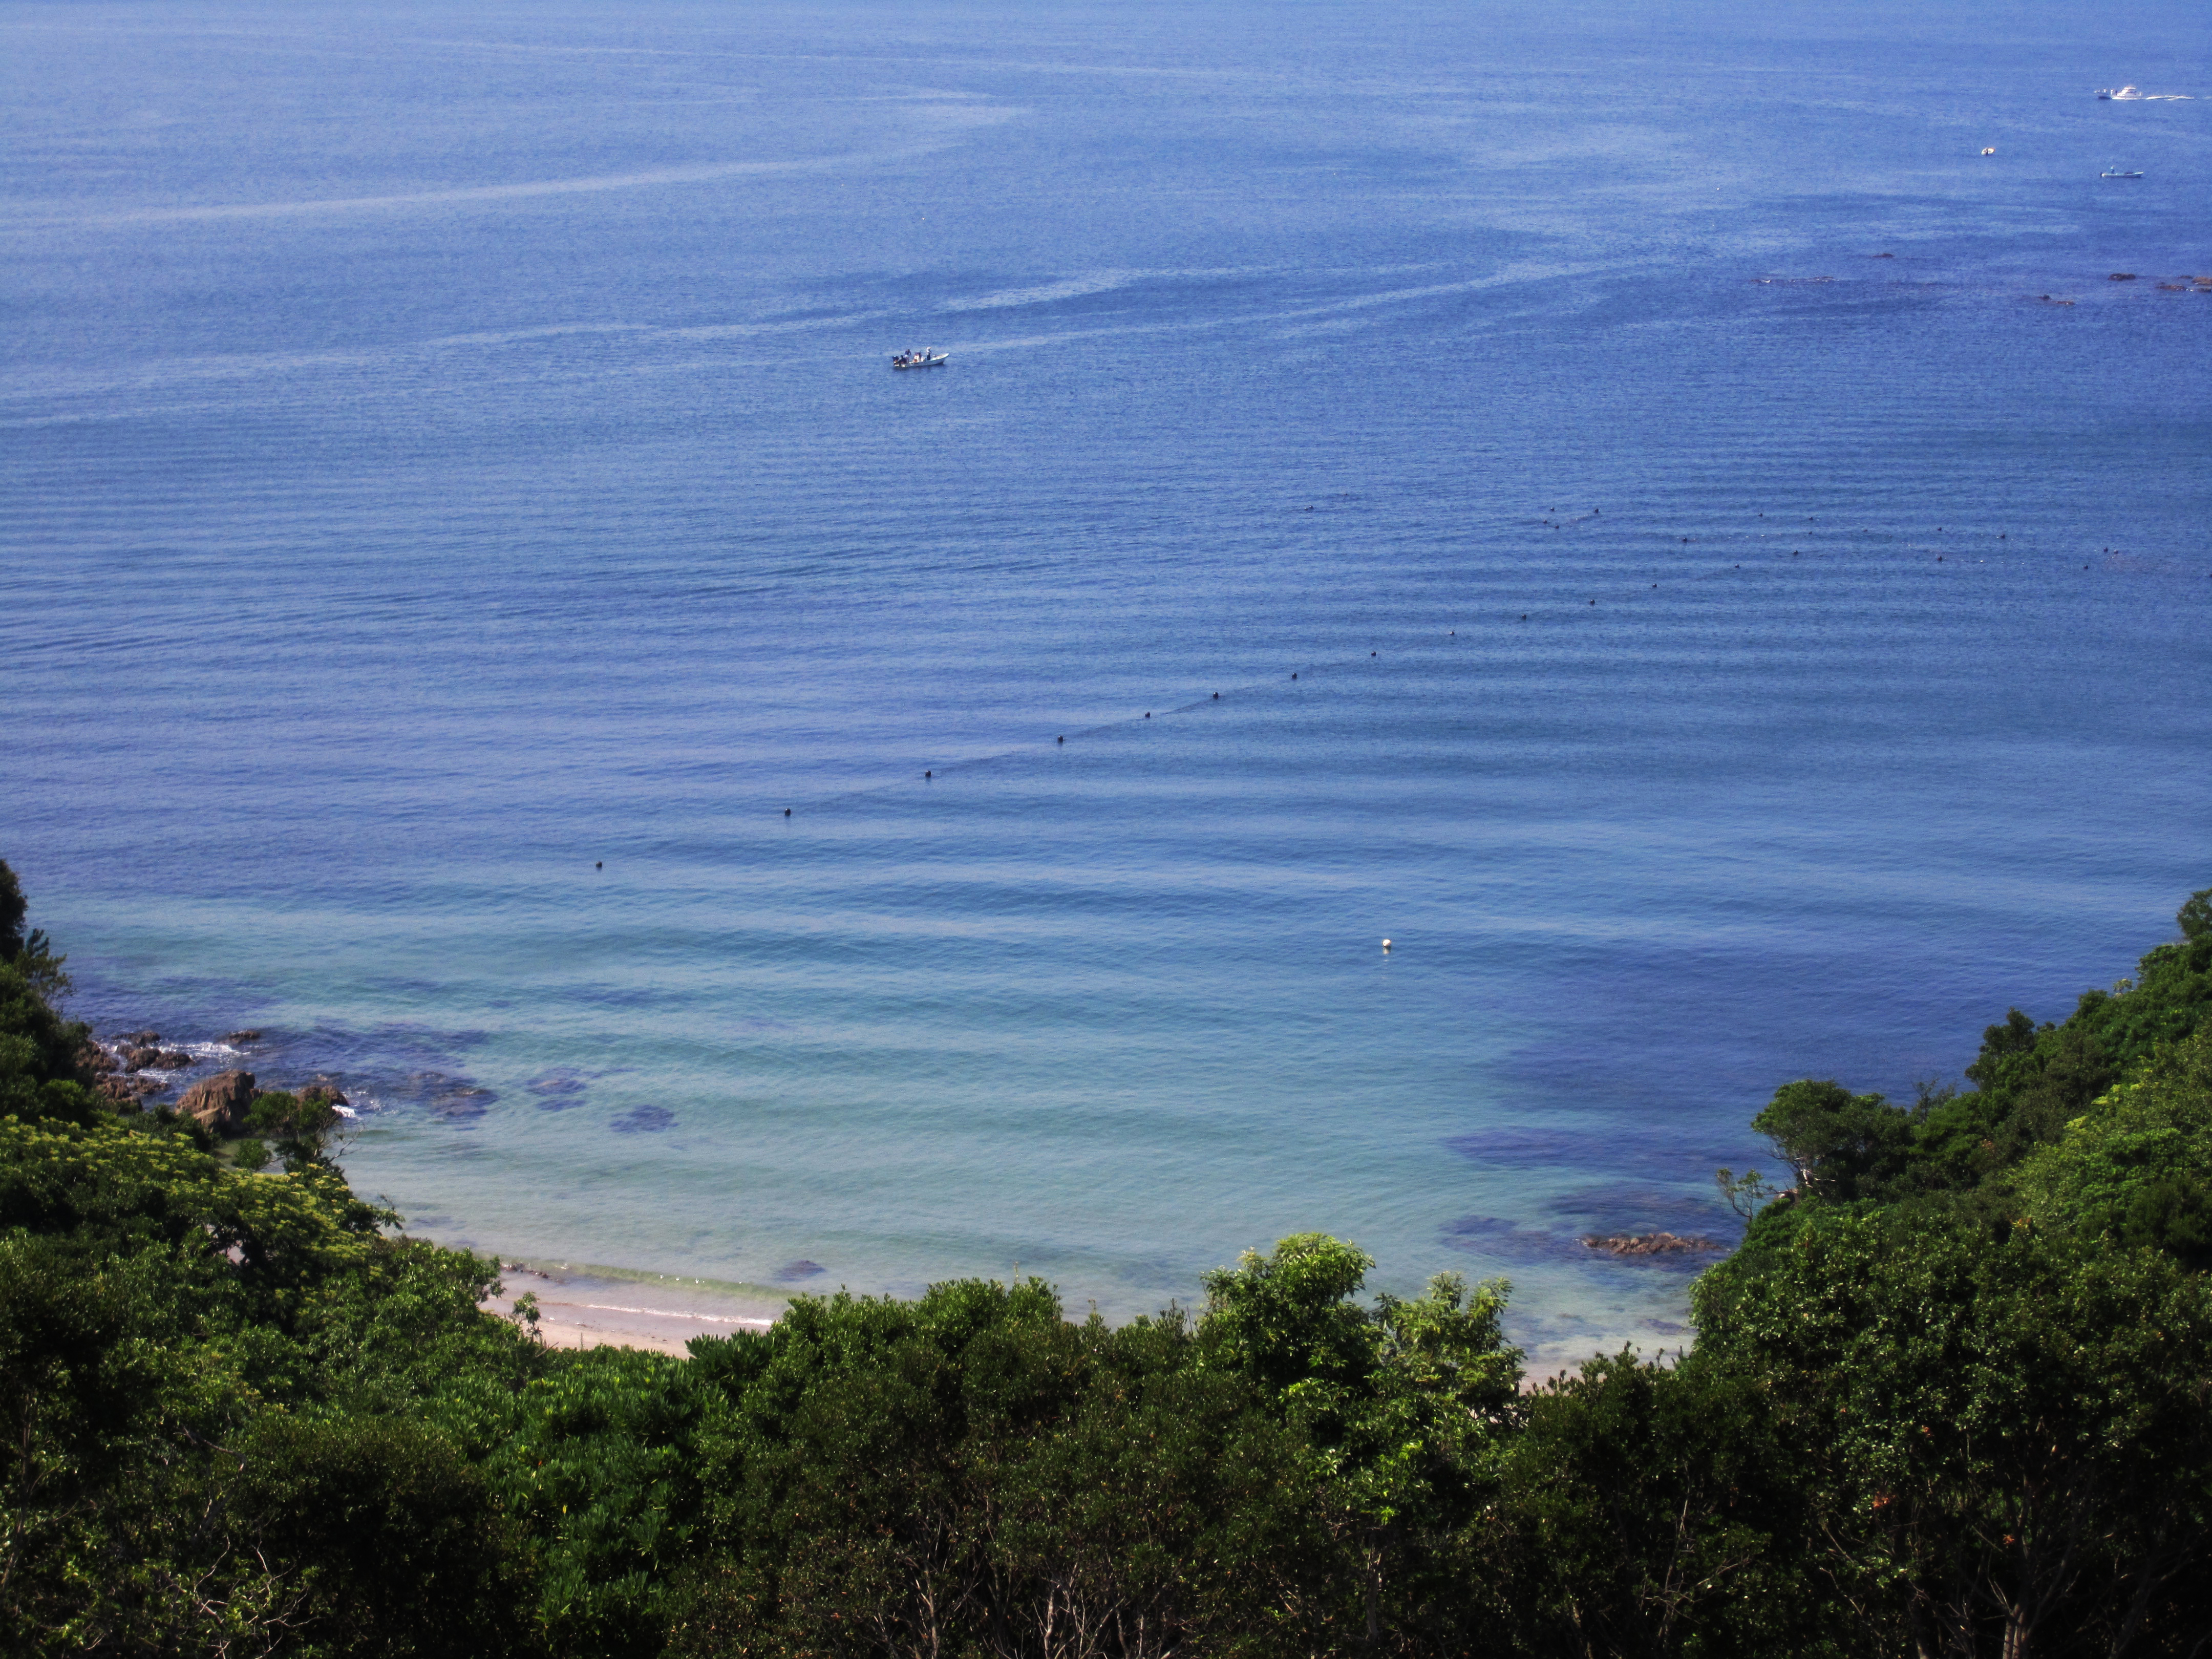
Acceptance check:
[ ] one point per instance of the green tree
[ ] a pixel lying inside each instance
(13, 907)
(1651, 1510)
(1401, 1407)
(2136, 1168)
(1842, 1145)
(2004, 1443)
(30, 953)
(40, 1074)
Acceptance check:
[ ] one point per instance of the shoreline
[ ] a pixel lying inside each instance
(586, 1305)
(591, 1306)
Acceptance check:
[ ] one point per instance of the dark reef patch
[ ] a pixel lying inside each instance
(558, 1091)
(1615, 1208)
(1522, 1148)
(443, 1094)
(644, 1120)
(1494, 1236)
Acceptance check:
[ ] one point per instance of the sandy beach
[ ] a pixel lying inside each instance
(580, 1308)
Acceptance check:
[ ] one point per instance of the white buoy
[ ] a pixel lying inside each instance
(1386, 944)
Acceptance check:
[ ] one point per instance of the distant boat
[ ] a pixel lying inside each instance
(2119, 94)
(2136, 95)
(918, 359)
(2119, 172)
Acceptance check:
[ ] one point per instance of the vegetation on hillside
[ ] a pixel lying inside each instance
(1950, 1397)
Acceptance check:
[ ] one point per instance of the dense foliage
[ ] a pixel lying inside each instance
(1951, 1397)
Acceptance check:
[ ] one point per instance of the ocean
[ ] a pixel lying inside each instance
(1630, 504)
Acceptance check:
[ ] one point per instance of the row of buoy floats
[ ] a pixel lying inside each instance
(1060, 740)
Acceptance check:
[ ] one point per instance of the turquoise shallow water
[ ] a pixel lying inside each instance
(444, 452)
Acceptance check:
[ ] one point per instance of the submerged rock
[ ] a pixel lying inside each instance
(236, 1037)
(1650, 1243)
(461, 1103)
(218, 1102)
(644, 1120)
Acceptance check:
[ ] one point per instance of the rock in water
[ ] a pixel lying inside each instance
(219, 1102)
(1648, 1244)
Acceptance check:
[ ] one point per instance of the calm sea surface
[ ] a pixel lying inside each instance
(1660, 562)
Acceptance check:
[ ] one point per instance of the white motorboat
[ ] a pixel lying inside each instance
(2119, 94)
(918, 360)
(2116, 173)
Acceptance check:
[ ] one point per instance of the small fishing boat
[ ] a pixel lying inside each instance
(918, 359)
(2120, 173)
(2119, 94)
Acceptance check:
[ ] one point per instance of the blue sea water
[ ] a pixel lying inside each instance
(1663, 562)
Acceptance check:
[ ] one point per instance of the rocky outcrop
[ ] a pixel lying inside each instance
(131, 1090)
(237, 1037)
(322, 1094)
(218, 1102)
(148, 1059)
(1649, 1244)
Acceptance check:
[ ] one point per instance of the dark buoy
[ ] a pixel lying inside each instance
(1294, 676)
(1060, 740)
(1373, 653)
(787, 812)
(1148, 713)
(1593, 601)
(929, 774)
(1524, 615)
(598, 864)
(1216, 696)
